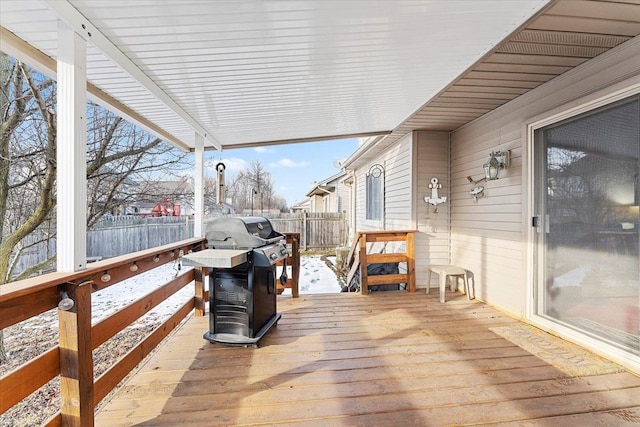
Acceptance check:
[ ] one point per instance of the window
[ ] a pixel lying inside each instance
(375, 193)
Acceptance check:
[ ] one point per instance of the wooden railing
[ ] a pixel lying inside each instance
(293, 240)
(359, 258)
(72, 359)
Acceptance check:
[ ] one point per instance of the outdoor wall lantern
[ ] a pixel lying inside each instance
(498, 160)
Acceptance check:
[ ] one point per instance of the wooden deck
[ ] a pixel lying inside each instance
(385, 359)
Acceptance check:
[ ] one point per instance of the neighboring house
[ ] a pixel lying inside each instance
(162, 198)
(171, 198)
(580, 280)
(331, 195)
(303, 206)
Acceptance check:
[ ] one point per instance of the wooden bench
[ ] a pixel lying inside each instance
(449, 272)
(358, 259)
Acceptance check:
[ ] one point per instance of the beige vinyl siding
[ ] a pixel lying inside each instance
(343, 194)
(398, 184)
(361, 224)
(490, 237)
(397, 163)
(316, 203)
(432, 239)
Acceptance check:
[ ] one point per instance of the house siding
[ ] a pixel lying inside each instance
(397, 162)
(490, 237)
(398, 185)
(398, 165)
(343, 193)
(432, 239)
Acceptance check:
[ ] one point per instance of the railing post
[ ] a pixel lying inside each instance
(411, 261)
(200, 273)
(295, 266)
(76, 358)
(364, 278)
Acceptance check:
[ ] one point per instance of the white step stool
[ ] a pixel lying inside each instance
(449, 272)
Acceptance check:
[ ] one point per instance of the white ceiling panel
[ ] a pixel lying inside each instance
(254, 72)
(251, 72)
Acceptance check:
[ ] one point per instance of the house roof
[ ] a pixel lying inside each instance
(325, 186)
(305, 204)
(255, 73)
(321, 190)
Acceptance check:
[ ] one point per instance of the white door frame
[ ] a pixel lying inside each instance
(587, 103)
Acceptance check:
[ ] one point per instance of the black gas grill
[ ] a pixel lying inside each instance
(242, 294)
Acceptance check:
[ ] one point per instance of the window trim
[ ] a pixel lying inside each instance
(380, 207)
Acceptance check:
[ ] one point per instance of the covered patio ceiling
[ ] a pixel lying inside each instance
(247, 73)
(250, 73)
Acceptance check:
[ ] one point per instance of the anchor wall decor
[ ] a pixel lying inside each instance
(435, 200)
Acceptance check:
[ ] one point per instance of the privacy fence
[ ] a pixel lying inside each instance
(318, 230)
(119, 235)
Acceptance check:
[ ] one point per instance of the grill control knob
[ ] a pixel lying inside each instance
(273, 255)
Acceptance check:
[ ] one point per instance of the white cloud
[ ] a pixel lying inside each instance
(264, 150)
(231, 164)
(288, 163)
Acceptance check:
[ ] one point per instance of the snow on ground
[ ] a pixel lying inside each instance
(315, 278)
(32, 337)
(107, 301)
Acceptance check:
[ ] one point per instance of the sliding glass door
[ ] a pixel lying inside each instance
(588, 226)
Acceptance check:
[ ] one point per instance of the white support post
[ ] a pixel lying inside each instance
(71, 154)
(198, 225)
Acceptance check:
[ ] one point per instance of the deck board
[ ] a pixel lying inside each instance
(390, 358)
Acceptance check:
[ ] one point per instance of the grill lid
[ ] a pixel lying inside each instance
(240, 232)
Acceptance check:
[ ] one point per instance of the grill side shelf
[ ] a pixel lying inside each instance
(215, 258)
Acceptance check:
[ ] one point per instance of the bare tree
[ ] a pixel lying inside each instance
(27, 163)
(124, 163)
(118, 155)
(254, 189)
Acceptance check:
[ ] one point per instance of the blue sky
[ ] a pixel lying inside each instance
(294, 167)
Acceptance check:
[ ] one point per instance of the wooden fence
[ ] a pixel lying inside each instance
(318, 230)
(115, 236)
(107, 242)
